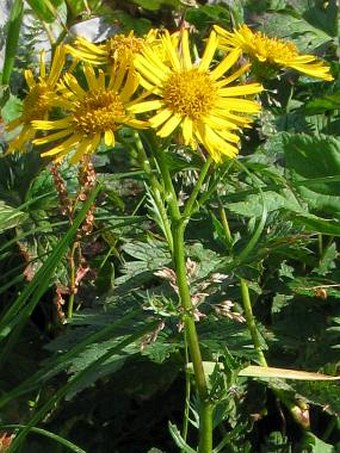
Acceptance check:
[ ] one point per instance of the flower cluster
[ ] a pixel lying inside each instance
(150, 82)
(271, 53)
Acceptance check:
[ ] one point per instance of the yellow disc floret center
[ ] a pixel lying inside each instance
(123, 47)
(36, 103)
(189, 93)
(272, 49)
(98, 112)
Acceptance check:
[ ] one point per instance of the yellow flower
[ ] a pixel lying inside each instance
(90, 114)
(272, 51)
(192, 98)
(119, 49)
(39, 100)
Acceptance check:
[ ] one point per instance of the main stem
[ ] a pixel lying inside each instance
(206, 408)
(178, 225)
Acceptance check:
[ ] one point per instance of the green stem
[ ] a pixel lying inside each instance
(190, 203)
(156, 189)
(188, 308)
(248, 311)
(187, 394)
(178, 224)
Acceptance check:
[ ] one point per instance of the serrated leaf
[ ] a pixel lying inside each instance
(10, 217)
(317, 445)
(154, 5)
(150, 253)
(12, 39)
(180, 442)
(317, 224)
(297, 29)
(323, 104)
(323, 393)
(253, 205)
(313, 164)
(46, 10)
(159, 351)
(11, 109)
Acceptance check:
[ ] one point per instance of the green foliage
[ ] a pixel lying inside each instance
(314, 165)
(93, 381)
(12, 40)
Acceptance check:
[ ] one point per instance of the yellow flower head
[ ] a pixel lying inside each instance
(119, 49)
(90, 114)
(190, 97)
(40, 98)
(272, 51)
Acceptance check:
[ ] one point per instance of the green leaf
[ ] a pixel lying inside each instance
(207, 15)
(159, 351)
(12, 108)
(323, 393)
(317, 445)
(154, 5)
(323, 15)
(10, 217)
(297, 29)
(324, 226)
(253, 204)
(17, 314)
(313, 164)
(323, 104)
(77, 379)
(12, 39)
(180, 442)
(46, 10)
(43, 432)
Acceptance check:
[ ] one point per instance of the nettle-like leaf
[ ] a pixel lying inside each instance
(10, 217)
(253, 205)
(326, 103)
(151, 255)
(325, 394)
(161, 348)
(218, 334)
(306, 36)
(154, 5)
(312, 443)
(313, 164)
(94, 352)
(124, 340)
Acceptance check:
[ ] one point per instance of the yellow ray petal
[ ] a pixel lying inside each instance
(187, 129)
(53, 137)
(146, 106)
(171, 52)
(238, 105)
(160, 118)
(225, 64)
(240, 90)
(209, 52)
(43, 125)
(109, 138)
(86, 147)
(169, 126)
(185, 50)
